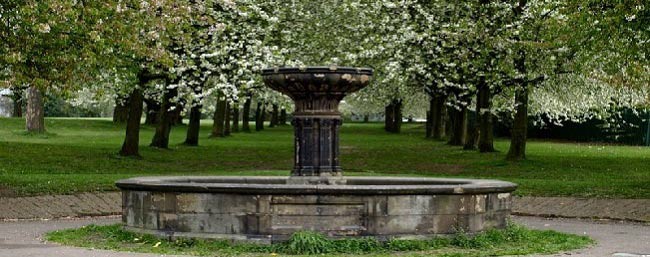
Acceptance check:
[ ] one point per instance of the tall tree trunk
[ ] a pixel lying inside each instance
(445, 124)
(131, 144)
(121, 111)
(393, 121)
(275, 116)
(438, 117)
(235, 118)
(194, 126)
(388, 117)
(164, 128)
(35, 115)
(226, 121)
(177, 114)
(472, 132)
(283, 117)
(17, 98)
(153, 112)
(246, 116)
(484, 115)
(458, 130)
(398, 117)
(259, 117)
(219, 118)
(519, 133)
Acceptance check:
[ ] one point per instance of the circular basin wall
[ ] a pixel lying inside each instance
(267, 209)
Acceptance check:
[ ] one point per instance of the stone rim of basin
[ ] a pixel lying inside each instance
(354, 185)
(317, 69)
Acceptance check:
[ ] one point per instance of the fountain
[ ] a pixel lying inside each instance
(316, 196)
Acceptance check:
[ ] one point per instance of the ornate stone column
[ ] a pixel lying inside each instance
(316, 92)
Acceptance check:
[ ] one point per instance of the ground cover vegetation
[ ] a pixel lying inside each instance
(509, 59)
(514, 240)
(79, 155)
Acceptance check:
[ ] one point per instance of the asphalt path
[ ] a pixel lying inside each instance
(620, 239)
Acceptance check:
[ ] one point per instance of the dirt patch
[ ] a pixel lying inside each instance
(6, 191)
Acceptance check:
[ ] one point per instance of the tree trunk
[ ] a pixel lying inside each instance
(177, 114)
(484, 117)
(164, 128)
(235, 119)
(226, 121)
(246, 115)
(472, 132)
(275, 116)
(458, 119)
(445, 124)
(438, 117)
(283, 117)
(153, 112)
(194, 126)
(35, 115)
(388, 117)
(428, 129)
(393, 122)
(121, 111)
(366, 118)
(17, 98)
(219, 118)
(131, 144)
(519, 133)
(259, 119)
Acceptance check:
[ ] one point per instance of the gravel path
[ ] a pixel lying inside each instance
(24, 238)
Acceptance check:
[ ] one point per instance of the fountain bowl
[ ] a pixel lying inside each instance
(268, 209)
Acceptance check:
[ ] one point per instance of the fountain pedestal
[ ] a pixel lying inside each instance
(316, 92)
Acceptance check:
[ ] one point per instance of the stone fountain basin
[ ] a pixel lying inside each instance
(267, 209)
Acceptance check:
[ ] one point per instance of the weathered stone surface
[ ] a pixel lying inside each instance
(275, 214)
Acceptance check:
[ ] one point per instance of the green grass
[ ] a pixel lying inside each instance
(514, 240)
(78, 155)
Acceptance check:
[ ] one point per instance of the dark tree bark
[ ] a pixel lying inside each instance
(275, 116)
(17, 99)
(484, 117)
(219, 118)
(164, 128)
(177, 114)
(152, 116)
(121, 111)
(438, 117)
(35, 115)
(235, 118)
(246, 116)
(259, 119)
(226, 121)
(388, 117)
(393, 123)
(264, 113)
(366, 118)
(283, 117)
(471, 138)
(194, 126)
(458, 119)
(130, 147)
(519, 133)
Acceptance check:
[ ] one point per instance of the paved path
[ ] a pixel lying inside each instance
(102, 204)
(23, 238)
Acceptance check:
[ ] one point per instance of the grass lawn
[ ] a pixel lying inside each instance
(78, 155)
(515, 240)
